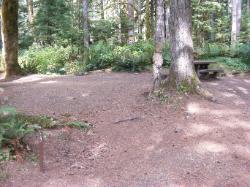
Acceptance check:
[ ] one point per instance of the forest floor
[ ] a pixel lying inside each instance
(135, 141)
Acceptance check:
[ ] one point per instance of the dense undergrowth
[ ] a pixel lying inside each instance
(231, 60)
(135, 57)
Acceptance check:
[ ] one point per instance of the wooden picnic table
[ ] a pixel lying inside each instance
(202, 70)
(202, 64)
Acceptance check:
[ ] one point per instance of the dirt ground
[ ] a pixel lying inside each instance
(135, 142)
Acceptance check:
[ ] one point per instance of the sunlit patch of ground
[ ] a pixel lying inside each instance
(197, 129)
(48, 82)
(205, 147)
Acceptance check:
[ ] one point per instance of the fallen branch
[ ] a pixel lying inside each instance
(125, 120)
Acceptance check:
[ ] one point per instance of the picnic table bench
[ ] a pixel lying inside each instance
(202, 70)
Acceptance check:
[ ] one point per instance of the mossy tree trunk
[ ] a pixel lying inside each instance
(10, 37)
(182, 71)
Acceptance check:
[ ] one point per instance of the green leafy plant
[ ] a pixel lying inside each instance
(46, 60)
(135, 57)
(12, 131)
(79, 125)
(100, 56)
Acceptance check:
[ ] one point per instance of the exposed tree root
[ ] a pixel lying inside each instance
(158, 82)
(205, 93)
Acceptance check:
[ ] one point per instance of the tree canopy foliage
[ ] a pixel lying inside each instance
(114, 26)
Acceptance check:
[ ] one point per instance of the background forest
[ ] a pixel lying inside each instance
(76, 36)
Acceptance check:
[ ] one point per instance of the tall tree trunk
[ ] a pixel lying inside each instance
(140, 24)
(1, 42)
(166, 20)
(130, 8)
(159, 42)
(248, 6)
(10, 37)
(30, 11)
(182, 71)
(239, 15)
(236, 21)
(148, 21)
(123, 21)
(85, 4)
(152, 15)
(102, 10)
(119, 14)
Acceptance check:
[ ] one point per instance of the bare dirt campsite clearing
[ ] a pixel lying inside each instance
(135, 141)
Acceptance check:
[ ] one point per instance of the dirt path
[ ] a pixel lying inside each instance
(195, 143)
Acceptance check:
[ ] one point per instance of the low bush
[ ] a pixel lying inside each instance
(214, 50)
(135, 57)
(45, 60)
(234, 65)
(100, 56)
(231, 59)
(243, 51)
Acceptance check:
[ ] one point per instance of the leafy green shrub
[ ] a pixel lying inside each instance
(216, 49)
(234, 64)
(100, 56)
(245, 26)
(75, 68)
(243, 51)
(45, 60)
(133, 57)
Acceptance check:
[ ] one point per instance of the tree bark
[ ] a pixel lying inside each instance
(9, 30)
(159, 42)
(248, 6)
(140, 24)
(166, 20)
(152, 15)
(130, 21)
(236, 21)
(148, 21)
(182, 73)
(102, 9)
(239, 15)
(30, 11)
(85, 4)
